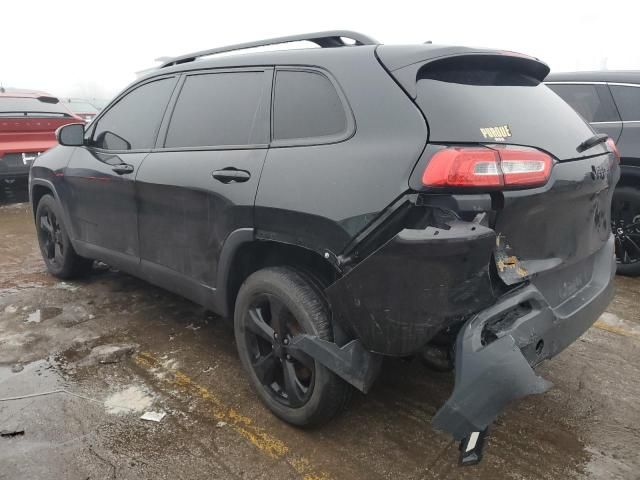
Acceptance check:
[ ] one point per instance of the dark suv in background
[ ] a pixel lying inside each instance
(610, 102)
(347, 203)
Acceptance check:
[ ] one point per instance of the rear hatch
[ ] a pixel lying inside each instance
(495, 100)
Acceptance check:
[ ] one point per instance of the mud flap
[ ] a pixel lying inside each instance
(350, 362)
(486, 381)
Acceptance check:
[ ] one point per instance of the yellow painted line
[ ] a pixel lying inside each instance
(242, 425)
(613, 329)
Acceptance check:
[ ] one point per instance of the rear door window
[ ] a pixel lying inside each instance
(221, 109)
(592, 102)
(628, 101)
(307, 106)
(133, 122)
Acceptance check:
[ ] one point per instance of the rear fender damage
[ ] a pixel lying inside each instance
(415, 285)
(416, 272)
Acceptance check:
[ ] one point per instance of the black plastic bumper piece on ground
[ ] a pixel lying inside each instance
(490, 375)
(351, 362)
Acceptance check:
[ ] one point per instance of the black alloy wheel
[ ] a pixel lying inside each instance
(287, 374)
(57, 251)
(51, 237)
(273, 306)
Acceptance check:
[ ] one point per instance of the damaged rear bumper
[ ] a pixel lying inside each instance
(497, 349)
(416, 285)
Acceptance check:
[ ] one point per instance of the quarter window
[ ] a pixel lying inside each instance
(593, 102)
(628, 101)
(133, 122)
(306, 105)
(220, 109)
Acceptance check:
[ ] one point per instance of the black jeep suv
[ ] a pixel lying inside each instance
(610, 102)
(346, 203)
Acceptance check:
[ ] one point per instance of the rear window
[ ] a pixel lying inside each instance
(31, 107)
(306, 105)
(472, 101)
(220, 109)
(628, 101)
(592, 102)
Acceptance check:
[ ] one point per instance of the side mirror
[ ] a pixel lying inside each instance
(71, 135)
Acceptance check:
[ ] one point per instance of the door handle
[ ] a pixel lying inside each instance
(123, 168)
(230, 174)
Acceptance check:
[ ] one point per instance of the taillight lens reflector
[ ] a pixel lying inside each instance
(502, 166)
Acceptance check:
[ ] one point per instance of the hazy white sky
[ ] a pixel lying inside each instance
(93, 48)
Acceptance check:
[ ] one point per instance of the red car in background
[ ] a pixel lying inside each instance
(28, 121)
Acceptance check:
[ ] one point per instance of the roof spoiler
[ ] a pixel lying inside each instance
(407, 68)
(48, 99)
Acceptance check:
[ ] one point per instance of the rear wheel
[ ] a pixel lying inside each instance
(273, 306)
(59, 256)
(625, 220)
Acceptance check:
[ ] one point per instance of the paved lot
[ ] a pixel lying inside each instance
(81, 418)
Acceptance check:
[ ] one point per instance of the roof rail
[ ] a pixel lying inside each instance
(331, 38)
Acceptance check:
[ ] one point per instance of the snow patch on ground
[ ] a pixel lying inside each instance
(133, 399)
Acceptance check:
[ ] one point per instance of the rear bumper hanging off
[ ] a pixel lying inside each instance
(496, 352)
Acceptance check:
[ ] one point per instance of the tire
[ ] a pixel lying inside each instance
(625, 219)
(302, 309)
(59, 256)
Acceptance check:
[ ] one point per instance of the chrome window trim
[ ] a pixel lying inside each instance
(619, 84)
(575, 83)
(623, 122)
(636, 85)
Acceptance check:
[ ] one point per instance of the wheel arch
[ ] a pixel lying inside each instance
(38, 189)
(243, 254)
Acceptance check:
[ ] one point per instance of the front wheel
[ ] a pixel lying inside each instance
(625, 222)
(273, 306)
(59, 256)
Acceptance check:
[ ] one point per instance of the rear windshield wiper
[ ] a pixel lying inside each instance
(592, 142)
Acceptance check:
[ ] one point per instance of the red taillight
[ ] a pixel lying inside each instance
(614, 148)
(488, 167)
(463, 167)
